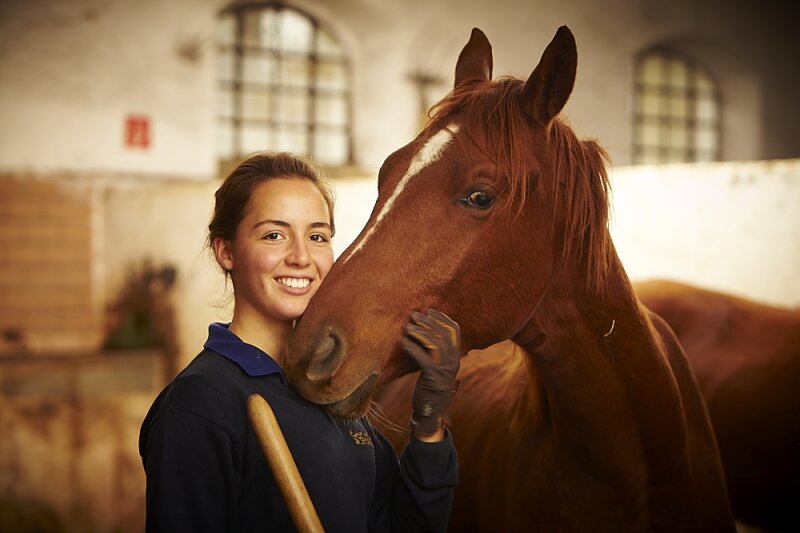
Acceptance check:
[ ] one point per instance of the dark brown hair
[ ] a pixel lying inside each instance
(233, 196)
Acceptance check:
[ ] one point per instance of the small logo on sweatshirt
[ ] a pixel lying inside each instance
(361, 438)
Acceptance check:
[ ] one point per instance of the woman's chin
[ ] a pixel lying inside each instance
(291, 313)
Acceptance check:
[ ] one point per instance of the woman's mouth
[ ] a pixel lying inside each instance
(294, 283)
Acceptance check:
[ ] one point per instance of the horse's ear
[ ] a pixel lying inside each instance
(550, 84)
(475, 61)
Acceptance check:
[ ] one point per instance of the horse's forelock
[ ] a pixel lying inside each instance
(492, 107)
(581, 198)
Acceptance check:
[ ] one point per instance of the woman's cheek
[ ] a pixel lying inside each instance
(325, 263)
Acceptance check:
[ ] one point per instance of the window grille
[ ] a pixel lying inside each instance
(283, 85)
(676, 110)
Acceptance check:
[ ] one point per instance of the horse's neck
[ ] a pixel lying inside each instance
(571, 315)
(603, 370)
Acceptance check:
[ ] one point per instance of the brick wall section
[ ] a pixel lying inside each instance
(45, 273)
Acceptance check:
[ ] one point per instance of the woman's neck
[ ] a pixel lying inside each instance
(268, 335)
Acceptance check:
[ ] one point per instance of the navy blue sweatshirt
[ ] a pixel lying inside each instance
(206, 471)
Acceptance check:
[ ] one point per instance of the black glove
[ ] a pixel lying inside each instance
(433, 340)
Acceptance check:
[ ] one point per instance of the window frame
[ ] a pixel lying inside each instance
(677, 134)
(308, 125)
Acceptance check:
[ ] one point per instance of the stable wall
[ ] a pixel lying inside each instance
(733, 227)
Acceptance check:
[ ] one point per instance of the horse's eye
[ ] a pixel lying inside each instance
(479, 199)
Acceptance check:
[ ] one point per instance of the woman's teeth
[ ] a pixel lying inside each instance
(295, 283)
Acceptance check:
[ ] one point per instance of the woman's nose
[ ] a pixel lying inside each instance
(298, 253)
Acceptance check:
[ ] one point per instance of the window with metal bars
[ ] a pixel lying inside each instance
(676, 110)
(283, 85)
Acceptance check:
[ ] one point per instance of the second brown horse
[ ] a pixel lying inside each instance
(746, 357)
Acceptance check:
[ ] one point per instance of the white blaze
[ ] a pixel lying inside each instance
(429, 153)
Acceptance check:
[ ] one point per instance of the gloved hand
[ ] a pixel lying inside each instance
(433, 340)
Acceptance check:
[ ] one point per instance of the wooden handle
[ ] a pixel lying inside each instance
(283, 466)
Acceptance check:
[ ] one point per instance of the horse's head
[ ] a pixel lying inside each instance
(473, 217)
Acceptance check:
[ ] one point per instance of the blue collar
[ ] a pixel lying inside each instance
(252, 360)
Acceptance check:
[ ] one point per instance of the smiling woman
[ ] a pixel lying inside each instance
(277, 258)
(271, 234)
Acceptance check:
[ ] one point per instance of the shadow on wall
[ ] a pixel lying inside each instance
(142, 317)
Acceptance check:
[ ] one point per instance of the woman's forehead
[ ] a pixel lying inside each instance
(289, 198)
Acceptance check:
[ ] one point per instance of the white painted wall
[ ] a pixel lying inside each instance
(733, 227)
(167, 224)
(70, 73)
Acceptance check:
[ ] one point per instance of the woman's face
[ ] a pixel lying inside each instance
(282, 250)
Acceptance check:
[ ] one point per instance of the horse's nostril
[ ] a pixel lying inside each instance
(326, 359)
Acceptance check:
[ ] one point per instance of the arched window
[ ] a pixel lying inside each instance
(283, 85)
(677, 110)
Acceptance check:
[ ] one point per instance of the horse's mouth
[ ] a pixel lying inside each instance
(356, 403)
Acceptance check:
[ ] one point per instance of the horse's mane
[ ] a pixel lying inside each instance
(580, 198)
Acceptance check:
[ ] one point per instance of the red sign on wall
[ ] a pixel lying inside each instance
(137, 131)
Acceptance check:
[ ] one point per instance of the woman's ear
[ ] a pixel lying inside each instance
(223, 251)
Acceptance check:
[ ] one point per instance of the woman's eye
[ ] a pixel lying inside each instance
(318, 237)
(479, 199)
(272, 236)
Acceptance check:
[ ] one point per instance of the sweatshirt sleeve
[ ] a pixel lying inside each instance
(417, 495)
(190, 474)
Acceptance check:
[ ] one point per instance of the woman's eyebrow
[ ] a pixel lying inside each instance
(285, 224)
(274, 222)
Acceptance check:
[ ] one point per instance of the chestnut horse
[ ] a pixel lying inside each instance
(496, 214)
(746, 358)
